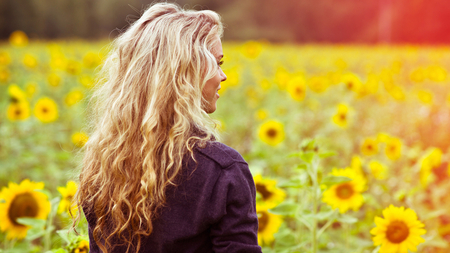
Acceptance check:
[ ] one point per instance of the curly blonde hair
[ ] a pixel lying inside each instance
(147, 113)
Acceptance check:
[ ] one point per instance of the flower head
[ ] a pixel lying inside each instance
(271, 195)
(341, 116)
(393, 149)
(272, 132)
(46, 110)
(67, 194)
(369, 147)
(18, 39)
(347, 195)
(297, 88)
(79, 139)
(73, 97)
(82, 247)
(20, 201)
(399, 231)
(18, 111)
(269, 224)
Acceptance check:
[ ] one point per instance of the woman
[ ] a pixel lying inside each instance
(153, 177)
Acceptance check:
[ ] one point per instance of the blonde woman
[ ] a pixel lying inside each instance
(153, 177)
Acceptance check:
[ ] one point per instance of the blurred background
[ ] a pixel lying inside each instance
(386, 21)
(367, 80)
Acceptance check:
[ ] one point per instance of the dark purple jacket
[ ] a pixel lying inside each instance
(211, 210)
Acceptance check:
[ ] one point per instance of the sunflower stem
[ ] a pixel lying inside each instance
(315, 165)
(47, 235)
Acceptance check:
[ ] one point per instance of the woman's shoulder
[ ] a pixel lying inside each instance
(220, 153)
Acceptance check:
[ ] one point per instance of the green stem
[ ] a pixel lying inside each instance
(329, 222)
(314, 197)
(48, 232)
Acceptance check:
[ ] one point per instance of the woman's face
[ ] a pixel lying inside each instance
(212, 86)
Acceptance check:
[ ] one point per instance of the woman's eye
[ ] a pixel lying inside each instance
(220, 63)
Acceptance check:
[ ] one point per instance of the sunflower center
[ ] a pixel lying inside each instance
(23, 205)
(262, 189)
(298, 90)
(44, 109)
(263, 220)
(272, 133)
(14, 100)
(70, 196)
(369, 147)
(342, 116)
(349, 85)
(397, 232)
(18, 112)
(344, 191)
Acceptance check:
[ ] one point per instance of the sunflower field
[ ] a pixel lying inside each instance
(348, 144)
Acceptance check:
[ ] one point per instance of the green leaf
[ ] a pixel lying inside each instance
(285, 238)
(324, 215)
(302, 166)
(38, 223)
(332, 180)
(296, 154)
(347, 219)
(286, 208)
(307, 157)
(308, 144)
(64, 234)
(326, 154)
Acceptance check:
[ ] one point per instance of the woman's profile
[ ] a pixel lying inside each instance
(154, 178)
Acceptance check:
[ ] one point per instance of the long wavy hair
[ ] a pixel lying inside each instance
(147, 111)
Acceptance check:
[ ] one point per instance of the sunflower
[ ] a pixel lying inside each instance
(87, 81)
(31, 89)
(91, 60)
(431, 160)
(5, 59)
(73, 97)
(399, 231)
(282, 77)
(261, 114)
(297, 88)
(271, 196)
(73, 67)
(426, 97)
(341, 116)
(345, 195)
(4, 74)
(369, 147)
(18, 39)
(272, 132)
(378, 170)
(18, 111)
(397, 92)
(352, 82)
(393, 149)
(21, 201)
(54, 80)
(251, 49)
(46, 110)
(79, 139)
(318, 84)
(16, 94)
(418, 75)
(268, 225)
(67, 194)
(30, 61)
(437, 73)
(82, 247)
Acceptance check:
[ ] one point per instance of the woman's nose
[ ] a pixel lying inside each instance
(224, 77)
